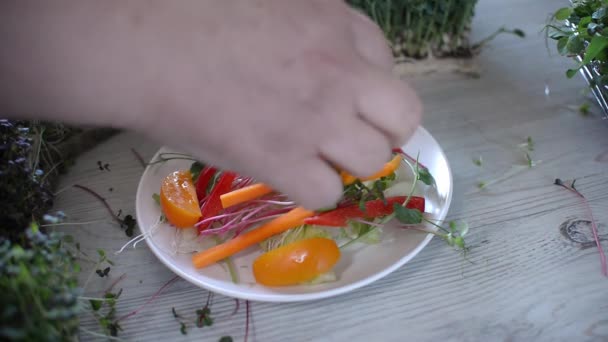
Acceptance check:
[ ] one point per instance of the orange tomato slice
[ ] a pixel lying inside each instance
(178, 199)
(296, 262)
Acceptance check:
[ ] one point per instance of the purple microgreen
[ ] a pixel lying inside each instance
(571, 188)
(139, 158)
(127, 223)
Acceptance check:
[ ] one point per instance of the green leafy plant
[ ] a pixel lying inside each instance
(39, 295)
(104, 310)
(38, 274)
(580, 33)
(32, 155)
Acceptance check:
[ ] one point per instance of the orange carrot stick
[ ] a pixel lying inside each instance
(244, 194)
(282, 223)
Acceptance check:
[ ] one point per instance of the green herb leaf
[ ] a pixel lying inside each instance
(459, 228)
(102, 254)
(575, 45)
(563, 13)
(520, 33)
(156, 198)
(128, 223)
(379, 188)
(562, 46)
(103, 273)
(597, 44)
(362, 205)
(530, 144)
(583, 27)
(203, 317)
(571, 72)
(584, 109)
(406, 215)
(459, 242)
(558, 34)
(425, 177)
(225, 339)
(529, 160)
(478, 161)
(174, 312)
(96, 304)
(182, 328)
(195, 170)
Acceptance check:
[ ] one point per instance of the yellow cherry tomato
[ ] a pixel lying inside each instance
(296, 262)
(178, 199)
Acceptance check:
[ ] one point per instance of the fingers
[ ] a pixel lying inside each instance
(382, 100)
(388, 104)
(370, 41)
(356, 147)
(311, 183)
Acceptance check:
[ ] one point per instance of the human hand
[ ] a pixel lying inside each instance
(280, 90)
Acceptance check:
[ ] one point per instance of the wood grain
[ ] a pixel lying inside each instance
(525, 280)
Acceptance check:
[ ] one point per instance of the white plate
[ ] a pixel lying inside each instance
(359, 265)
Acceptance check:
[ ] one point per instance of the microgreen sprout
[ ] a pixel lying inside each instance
(97, 268)
(570, 187)
(530, 144)
(478, 161)
(453, 235)
(584, 109)
(529, 160)
(127, 223)
(203, 317)
(104, 310)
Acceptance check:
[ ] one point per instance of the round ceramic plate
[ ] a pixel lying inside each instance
(359, 265)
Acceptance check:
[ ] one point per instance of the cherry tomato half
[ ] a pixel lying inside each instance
(178, 199)
(296, 262)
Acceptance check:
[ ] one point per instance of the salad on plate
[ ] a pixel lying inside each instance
(217, 214)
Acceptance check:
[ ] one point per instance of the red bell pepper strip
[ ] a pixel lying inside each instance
(213, 205)
(373, 209)
(203, 181)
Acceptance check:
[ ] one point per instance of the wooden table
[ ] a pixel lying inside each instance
(529, 280)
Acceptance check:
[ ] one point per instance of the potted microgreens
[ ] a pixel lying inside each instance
(581, 34)
(428, 35)
(39, 293)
